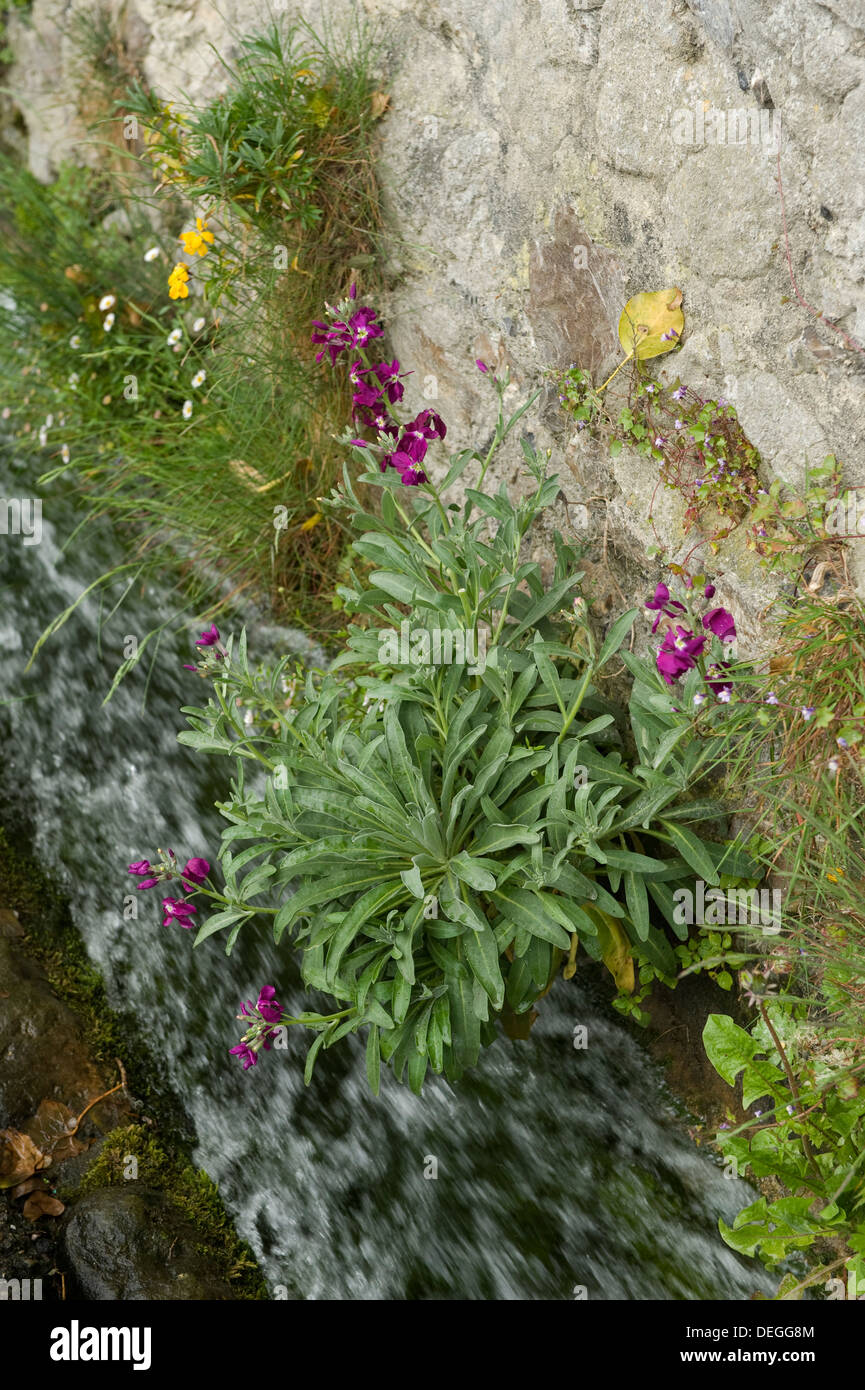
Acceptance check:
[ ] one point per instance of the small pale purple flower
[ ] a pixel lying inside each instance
(807, 711)
(680, 393)
(771, 698)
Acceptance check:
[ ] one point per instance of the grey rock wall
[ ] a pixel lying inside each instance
(546, 159)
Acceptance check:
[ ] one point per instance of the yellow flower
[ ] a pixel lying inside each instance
(197, 241)
(311, 521)
(178, 290)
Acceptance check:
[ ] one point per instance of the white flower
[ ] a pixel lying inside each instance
(199, 378)
(833, 764)
(75, 340)
(699, 698)
(65, 454)
(107, 302)
(248, 718)
(199, 325)
(74, 379)
(174, 336)
(151, 254)
(43, 436)
(108, 322)
(49, 422)
(187, 409)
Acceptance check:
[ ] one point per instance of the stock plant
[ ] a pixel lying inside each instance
(438, 834)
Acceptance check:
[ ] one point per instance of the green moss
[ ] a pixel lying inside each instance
(51, 937)
(191, 1192)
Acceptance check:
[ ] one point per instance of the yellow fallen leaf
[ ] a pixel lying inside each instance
(651, 324)
(312, 521)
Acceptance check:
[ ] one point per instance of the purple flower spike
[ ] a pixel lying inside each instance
(176, 910)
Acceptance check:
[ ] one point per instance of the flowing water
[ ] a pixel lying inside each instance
(556, 1168)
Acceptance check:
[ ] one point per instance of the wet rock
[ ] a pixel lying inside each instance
(42, 1055)
(131, 1243)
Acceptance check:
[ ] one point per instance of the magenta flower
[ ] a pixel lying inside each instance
(176, 910)
(268, 1005)
(352, 294)
(662, 604)
(428, 425)
(147, 883)
(208, 638)
(481, 366)
(678, 653)
(339, 336)
(141, 866)
(709, 591)
(247, 1055)
(720, 622)
(194, 873)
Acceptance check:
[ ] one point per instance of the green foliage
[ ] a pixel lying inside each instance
(435, 835)
(808, 1136)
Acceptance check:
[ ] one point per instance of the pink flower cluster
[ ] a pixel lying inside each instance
(682, 647)
(192, 875)
(266, 1011)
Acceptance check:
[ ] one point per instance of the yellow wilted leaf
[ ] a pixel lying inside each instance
(312, 521)
(570, 969)
(617, 954)
(652, 323)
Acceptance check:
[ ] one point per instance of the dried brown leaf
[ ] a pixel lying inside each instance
(19, 1157)
(42, 1204)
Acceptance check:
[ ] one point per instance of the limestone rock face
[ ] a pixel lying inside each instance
(545, 160)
